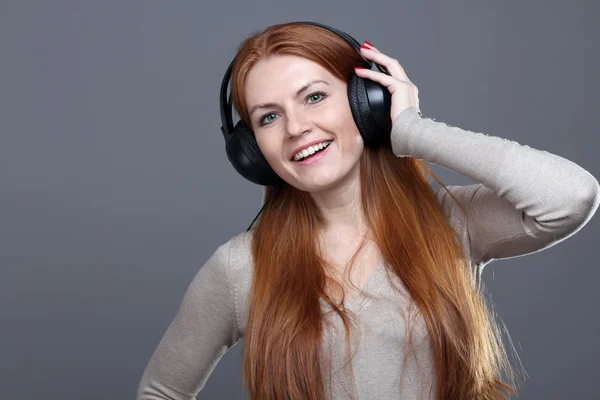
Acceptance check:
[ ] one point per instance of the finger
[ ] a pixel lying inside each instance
(391, 64)
(370, 45)
(386, 80)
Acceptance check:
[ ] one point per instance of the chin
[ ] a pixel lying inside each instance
(321, 184)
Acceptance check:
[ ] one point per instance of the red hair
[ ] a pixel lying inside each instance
(284, 342)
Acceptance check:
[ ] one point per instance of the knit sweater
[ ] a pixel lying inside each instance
(525, 200)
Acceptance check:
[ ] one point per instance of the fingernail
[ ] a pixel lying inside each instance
(365, 47)
(369, 44)
(355, 68)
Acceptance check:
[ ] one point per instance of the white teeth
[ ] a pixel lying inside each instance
(311, 150)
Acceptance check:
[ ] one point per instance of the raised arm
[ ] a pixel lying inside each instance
(526, 199)
(203, 330)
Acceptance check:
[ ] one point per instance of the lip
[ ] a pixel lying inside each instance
(307, 146)
(315, 158)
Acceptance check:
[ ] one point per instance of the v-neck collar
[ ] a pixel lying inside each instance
(371, 287)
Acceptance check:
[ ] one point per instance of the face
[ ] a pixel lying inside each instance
(320, 112)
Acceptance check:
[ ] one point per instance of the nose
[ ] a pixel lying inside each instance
(298, 123)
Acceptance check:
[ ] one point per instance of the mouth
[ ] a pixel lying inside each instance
(316, 156)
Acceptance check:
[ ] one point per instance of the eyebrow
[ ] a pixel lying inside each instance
(298, 93)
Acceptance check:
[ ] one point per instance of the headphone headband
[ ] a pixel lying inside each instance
(225, 104)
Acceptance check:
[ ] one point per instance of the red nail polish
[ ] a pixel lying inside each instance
(365, 47)
(369, 43)
(355, 68)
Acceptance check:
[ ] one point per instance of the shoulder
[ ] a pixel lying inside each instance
(453, 202)
(456, 202)
(239, 270)
(464, 195)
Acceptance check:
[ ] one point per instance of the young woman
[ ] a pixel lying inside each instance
(360, 280)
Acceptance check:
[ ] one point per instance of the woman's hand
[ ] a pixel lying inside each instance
(404, 93)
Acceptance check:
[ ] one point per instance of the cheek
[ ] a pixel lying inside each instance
(357, 145)
(346, 125)
(351, 140)
(270, 150)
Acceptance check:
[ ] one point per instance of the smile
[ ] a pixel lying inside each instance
(315, 157)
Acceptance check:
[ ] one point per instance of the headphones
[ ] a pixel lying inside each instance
(370, 104)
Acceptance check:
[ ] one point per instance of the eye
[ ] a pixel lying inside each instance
(320, 95)
(265, 116)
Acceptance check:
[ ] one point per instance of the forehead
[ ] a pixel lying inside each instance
(281, 75)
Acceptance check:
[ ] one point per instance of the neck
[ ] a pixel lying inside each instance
(341, 208)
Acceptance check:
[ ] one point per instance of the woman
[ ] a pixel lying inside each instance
(360, 280)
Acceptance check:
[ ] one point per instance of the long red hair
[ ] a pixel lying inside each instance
(284, 332)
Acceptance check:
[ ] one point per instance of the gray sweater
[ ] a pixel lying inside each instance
(525, 200)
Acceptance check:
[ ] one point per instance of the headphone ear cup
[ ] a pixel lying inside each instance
(370, 103)
(361, 112)
(244, 154)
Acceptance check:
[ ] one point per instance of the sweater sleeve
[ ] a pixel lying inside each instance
(203, 330)
(526, 199)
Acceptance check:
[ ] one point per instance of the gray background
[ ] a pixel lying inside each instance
(115, 187)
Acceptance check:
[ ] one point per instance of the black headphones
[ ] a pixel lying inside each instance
(370, 103)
